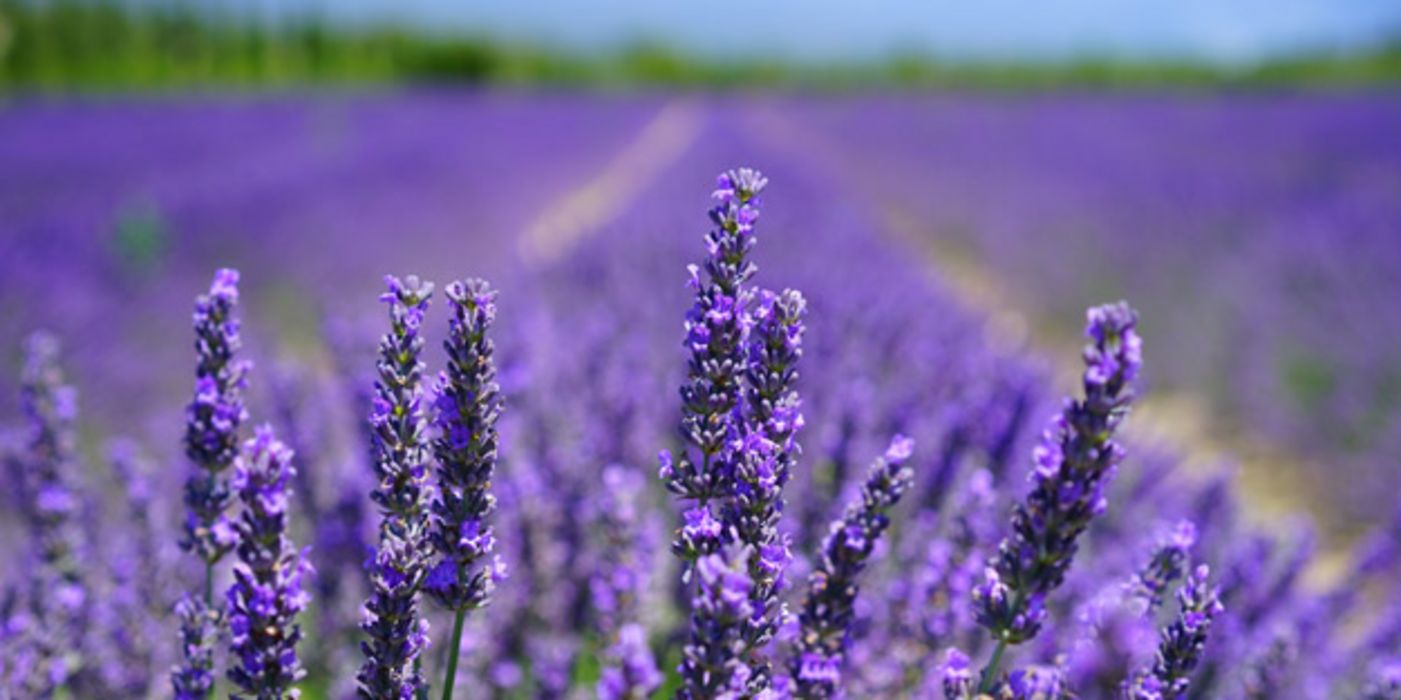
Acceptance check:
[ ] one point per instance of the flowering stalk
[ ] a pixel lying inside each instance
(829, 607)
(1182, 643)
(630, 671)
(199, 630)
(467, 405)
(397, 634)
(59, 595)
(766, 462)
(716, 328)
(212, 422)
(711, 668)
(267, 593)
(1169, 561)
(1075, 460)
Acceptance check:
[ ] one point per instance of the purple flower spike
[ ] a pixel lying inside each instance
(716, 331)
(766, 458)
(1182, 644)
(213, 419)
(396, 633)
(711, 666)
(270, 578)
(467, 406)
(194, 677)
(58, 586)
(616, 588)
(829, 607)
(1075, 460)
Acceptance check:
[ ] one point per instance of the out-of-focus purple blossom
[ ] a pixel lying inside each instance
(828, 608)
(1183, 643)
(711, 666)
(269, 588)
(213, 419)
(396, 633)
(1167, 564)
(1076, 458)
(634, 675)
(58, 597)
(467, 403)
(199, 633)
(616, 588)
(1384, 682)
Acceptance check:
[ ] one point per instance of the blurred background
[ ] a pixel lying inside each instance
(953, 185)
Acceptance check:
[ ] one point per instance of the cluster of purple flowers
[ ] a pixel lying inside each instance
(915, 586)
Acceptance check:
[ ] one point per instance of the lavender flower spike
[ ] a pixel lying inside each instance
(267, 593)
(765, 462)
(391, 621)
(832, 588)
(199, 625)
(715, 334)
(467, 405)
(1075, 460)
(212, 422)
(1182, 644)
(59, 595)
(711, 668)
(618, 584)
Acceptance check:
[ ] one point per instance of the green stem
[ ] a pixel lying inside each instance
(454, 646)
(209, 584)
(990, 670)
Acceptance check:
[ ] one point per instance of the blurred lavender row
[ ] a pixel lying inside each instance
(589, 357)
(1259, 233)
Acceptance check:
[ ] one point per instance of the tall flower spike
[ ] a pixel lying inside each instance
(765, 462)
(716, 327)
(616, 588)
(1077, 457)
(268, 590)
(59, 594)
(396, 633)
(212, 420)
(199, 625)
(1168, 563)
(467, 404)
(1183, 642)
(711, 668)
(829, 607)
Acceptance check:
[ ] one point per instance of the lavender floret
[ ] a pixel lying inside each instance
(466, 407)
(396, 633)
(268, 590)
(828, 609)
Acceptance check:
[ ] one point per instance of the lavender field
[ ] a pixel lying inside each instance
(852, 434)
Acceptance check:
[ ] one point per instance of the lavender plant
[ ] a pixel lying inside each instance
(711, 666)
(1182, 645)
(770, 449)
(396, 633)
(466, 408)
(617, 586)
(58, 591)
(1076, 458)
(212, 423)
(829, 608)
(269, 580)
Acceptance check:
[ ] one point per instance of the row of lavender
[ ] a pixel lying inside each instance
(894, 600)
(1258, 232)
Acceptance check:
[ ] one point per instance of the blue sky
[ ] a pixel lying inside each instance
(1221, 30)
